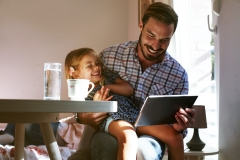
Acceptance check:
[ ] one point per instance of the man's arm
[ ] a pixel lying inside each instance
(184, 117)
(92, 119)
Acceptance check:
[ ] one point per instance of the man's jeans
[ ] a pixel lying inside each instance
(104, 147)
(33, 133)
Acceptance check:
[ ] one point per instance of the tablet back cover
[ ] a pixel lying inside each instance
(161, 109)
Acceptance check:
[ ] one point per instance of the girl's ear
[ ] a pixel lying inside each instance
(71, 71)
(75, 75)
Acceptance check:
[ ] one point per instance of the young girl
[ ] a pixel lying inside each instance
(84, 63)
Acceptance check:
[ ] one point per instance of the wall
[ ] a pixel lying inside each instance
(34, 32)
(228, 79)
(133, 20)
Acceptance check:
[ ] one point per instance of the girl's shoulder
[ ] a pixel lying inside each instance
(110, 76)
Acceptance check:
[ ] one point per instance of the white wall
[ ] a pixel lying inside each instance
(228, 79)
(34, 32)
(133, 20)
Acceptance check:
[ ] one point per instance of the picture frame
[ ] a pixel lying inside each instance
(142, 5)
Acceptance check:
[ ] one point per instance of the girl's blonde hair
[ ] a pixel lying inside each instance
(74, 57)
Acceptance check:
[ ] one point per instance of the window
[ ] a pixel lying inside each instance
(192, 46)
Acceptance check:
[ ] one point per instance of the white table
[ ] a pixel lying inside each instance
(199, 155)
(21, 111)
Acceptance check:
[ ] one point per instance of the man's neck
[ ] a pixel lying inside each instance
(146, 63)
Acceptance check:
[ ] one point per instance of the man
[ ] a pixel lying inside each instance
(147, 66)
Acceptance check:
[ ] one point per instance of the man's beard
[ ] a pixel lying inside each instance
(145, 55)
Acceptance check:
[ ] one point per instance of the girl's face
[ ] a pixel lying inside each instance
(89, 68)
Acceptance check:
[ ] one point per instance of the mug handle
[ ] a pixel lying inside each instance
(92, 86)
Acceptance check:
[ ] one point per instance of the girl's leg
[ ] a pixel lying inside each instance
(168, 135)
(127, 139)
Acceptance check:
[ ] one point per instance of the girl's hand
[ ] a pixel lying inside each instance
(102, 95)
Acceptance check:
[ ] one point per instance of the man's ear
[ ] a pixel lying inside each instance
(141, 25)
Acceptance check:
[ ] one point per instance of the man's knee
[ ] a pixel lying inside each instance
(103, 146)
(81, 154)
(149, 148)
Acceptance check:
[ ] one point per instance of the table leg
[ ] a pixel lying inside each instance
(50, 141)
(19, 141)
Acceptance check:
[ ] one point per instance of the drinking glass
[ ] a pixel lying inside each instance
(52, 81)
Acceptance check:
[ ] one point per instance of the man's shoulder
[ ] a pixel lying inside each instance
(174, 63)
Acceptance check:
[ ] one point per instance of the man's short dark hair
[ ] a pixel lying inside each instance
(161, 12)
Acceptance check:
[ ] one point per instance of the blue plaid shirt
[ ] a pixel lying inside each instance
(165, 78)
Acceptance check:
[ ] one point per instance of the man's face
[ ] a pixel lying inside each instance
(154, 39)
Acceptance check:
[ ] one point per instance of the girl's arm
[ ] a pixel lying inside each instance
(120, 87)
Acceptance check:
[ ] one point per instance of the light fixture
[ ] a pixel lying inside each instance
(196, 144)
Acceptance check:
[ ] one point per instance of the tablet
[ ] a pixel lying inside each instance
(161, 109)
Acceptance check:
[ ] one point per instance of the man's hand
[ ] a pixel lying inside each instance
(92, 119)
(184, 118)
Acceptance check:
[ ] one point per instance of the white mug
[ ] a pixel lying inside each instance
(78, 88)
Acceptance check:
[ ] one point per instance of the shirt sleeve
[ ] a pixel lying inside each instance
(182, 87)
(184, 133)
